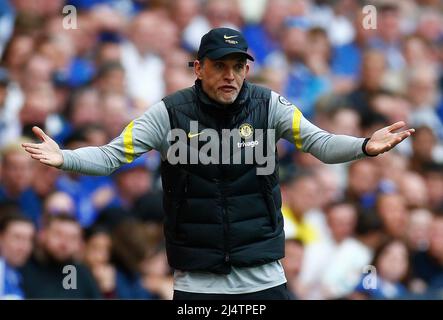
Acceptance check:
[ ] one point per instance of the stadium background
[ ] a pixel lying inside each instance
(84, 85)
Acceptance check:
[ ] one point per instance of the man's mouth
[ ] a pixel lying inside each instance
(228, 89)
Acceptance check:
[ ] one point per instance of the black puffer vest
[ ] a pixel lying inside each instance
(218, 215)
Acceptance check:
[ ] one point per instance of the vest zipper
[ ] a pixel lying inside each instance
(224, 124)
(225, 226)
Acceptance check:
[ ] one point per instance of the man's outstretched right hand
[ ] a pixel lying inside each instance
(47, 152)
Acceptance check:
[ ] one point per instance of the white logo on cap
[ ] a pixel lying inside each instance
(228, 39)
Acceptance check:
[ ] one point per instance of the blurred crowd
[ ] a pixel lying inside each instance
(370, 229)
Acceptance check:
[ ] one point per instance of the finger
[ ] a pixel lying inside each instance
(39, 133)
(396, 126)
(404, 134)
(31, 145)
(399, 137)
(38, 156)
(33, 150)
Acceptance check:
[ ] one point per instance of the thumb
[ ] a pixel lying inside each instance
(39, 133)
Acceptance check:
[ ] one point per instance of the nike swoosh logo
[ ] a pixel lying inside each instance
(229, 37)
(192, 135)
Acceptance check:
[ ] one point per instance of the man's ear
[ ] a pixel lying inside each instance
(247, 69)
(198, 69)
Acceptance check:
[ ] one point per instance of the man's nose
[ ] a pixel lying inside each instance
(229, 74)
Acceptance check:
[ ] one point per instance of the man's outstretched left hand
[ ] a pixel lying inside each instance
(385, 139)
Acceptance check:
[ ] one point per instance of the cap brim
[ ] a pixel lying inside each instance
(220, 53)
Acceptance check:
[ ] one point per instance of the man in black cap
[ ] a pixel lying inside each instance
(223, 223)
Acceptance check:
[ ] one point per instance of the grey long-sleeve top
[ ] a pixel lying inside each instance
(150, 131)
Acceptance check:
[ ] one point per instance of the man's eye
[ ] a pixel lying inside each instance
(219, 65)
(239, 67)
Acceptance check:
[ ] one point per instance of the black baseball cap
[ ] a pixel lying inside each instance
(220, 42)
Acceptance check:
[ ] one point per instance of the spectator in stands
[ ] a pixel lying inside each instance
(292, 262)
(16, 243)
(110, 78)
(116, 114)
(424, 147)
(97, 256)
(419, 230)
(373, 70)
(16, 181)
(143, 67)
(130, 246)
(57, 203)
(428, 265)
(363, 183)
(388, 35)
(265, 37)
(215, 14)
(392, 210)
(433, 174)
(391, 261)
(9, 124)
(332, 266)
(157, 275)
(347, 58)
(90, 194)
(413, 188)
(299, 195)
(45, 276)
(422, 90)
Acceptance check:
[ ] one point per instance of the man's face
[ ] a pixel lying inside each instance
(62, 240)
(17, 172)
(363, 177)
(393, 211)
(16, 242)
(303, 195)
(97, 250)
(222, 79)
(393, 263)
(341, 220)
(133, 183)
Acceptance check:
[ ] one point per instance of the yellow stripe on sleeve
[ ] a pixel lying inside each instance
(296, 127)
(128, 144)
